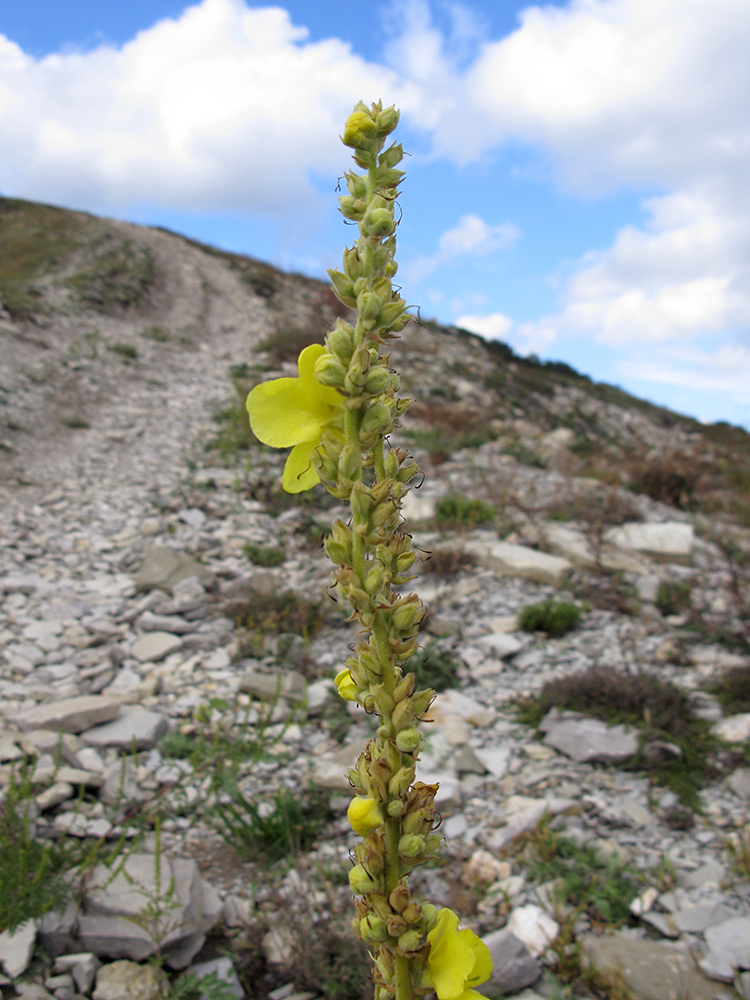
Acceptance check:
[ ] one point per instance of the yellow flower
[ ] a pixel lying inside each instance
(364, 815)
(356, 129)
(345, 684)
(294, 411)
(458, 960)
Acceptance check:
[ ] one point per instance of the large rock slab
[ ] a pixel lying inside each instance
(653, 970)
(72, 715)
(571, 543)
(728, 948)
(125, 980)
(519, 560)
(590, 741)
(733, 729)
(513, 966)
(134, 725)
(112, 923)
(17, 948)
(671, 541)
(162, 568)
(155, 646)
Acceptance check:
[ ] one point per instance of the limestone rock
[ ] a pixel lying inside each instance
(508, 559)
(155, 646)
(72, 715)
(733, 729)
(287, 684)
(162, 568)
(592, 741)
(513, 966)
(671, 541)
(17, 948)
(125, 980)
(133, 725)
(653, 970)
(532, 925)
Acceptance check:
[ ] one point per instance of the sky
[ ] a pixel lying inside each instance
(577, 171)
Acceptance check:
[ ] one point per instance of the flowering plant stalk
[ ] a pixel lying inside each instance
(337, 415)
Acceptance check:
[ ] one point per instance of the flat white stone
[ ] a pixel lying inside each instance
(17, 948)
(134, 726)
(592, 741)
(500, 644)
(671, 541)
(155, 646)
(73, 715)
(534, 927)
(733, 729)
(508, 559)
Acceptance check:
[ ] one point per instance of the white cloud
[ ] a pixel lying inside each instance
(494, 326)
(223, 107)
(472, 236)
(725, 368)
(637, 93)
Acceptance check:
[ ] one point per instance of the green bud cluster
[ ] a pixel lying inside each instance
(371, 557)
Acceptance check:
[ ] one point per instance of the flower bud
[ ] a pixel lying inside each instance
(357, 129)
(409, 740)
(411, 845)
(353, 264)
(368, 305)
(373, 929)
(377, 381)
(407, 614)
(405, 561)
(378, 222)
(402, 715)
(391, 156)
(350, 462)
(330, 371)
(343, 286)
(361, 882)
(433, 843)
(391, 465)
(374, 579)
(394, 808)
(413, 913)
(401, 780)
(410, 940)
(356, 185)
(377, 420)
(407, 472)
(364, 815)
(390, 312)
(422, 701)
(387, 120)
(396, 925)
(352, 208)
(429, 915)
(405, 688)
(346, 685)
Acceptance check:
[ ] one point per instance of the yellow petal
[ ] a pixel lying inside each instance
(451, 959)
(364, 815)
(482, 959)
(288, 411)
(299, 472)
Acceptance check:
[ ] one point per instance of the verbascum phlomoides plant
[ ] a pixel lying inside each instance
(337, 416)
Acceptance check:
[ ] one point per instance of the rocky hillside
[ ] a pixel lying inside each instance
(586, 564)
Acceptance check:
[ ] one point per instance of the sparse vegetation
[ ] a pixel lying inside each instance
(264, 555)
(435, 668)
(126, 351)
(733, 690)
(454, 513)
(275, 613)
(659, 709)
(447, 561)
(674, 596)
(270, 831)
(556, 618)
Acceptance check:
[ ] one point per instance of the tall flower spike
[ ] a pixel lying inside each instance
(294, 412)
(338, 416)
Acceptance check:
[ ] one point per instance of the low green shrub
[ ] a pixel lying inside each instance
(556, 618)
(264, 555)
(674, 596)
(291, 824)
(434, 668)
(456, 513)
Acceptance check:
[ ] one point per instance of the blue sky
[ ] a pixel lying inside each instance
(577, 184)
